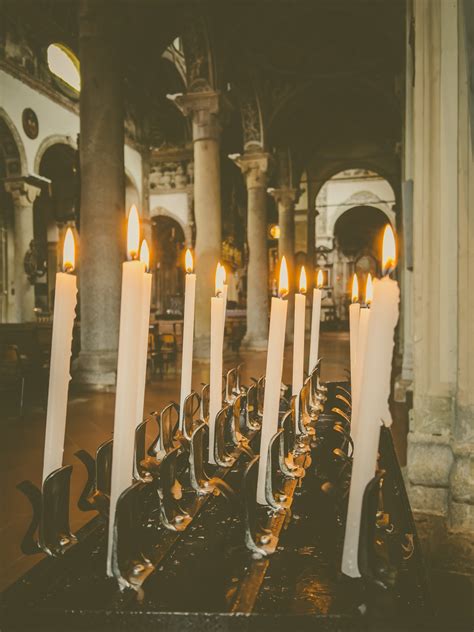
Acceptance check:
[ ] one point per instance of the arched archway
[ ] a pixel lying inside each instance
(57, 206)
(352, 208)
(168, 262)
(13, 164)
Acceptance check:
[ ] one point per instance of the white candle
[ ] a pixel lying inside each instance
(188, 334)
(298, 336)
(315, 323)
(217, 345)
(363, 331)
(144, 330)
(131, 317)
(354, 313)
(375, 391)
(65, 299)
(273, 375)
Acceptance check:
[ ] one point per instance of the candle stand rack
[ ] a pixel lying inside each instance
(194, 550)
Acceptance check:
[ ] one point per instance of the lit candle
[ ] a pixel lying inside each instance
(364, 320)
(144, 330)
(354, 313)
(315, 323)
(225, 289)
(374, 394)
(131, 318)
(65, 299)
(273, 375)
(217, 345)
(298, 336)
(188, 333)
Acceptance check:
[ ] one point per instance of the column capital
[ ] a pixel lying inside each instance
(285, 196)
(203, 107)
(23, 192)
(255, 167)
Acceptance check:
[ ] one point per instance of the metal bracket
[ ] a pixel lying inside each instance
(50, 514)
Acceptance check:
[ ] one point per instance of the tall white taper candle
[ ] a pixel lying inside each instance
(188, 334)
(315, 323)
(217, 345)
(298, 339)
(375, 391)
(65, 299)
(131, 317)
(273, 374)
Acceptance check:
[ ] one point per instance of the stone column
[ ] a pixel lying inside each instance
(203, 107)
(23, 196)
(102, 218)
(255, 167)
(286, 198)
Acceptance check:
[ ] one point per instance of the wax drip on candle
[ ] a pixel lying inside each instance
(355, 289)
(389, 251)
(283, 279)
(133, 233)
(189, 264)
(69, 258)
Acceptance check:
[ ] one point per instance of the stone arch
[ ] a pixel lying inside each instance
(50, 141)
(201, 72)
(252, 122)
(12, 147)
(158, 211)
(362, 198)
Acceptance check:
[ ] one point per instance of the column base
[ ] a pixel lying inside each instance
(202, 348)
(95, 371)
(254, 343)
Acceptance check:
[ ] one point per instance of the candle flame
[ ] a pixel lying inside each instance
(319, 280)
(224, 274)
(303, 283)
(389, 257)
(133, 233)
(355, 288)
(220, 277)
(189, 264)
(369, 290)
(69, 255)
(283, 282)
(145, 255)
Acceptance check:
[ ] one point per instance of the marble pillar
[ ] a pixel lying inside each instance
(203, 108)
(286, 198)
(102, 215)
(255, 168)
(441, 438)
(23, 195)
